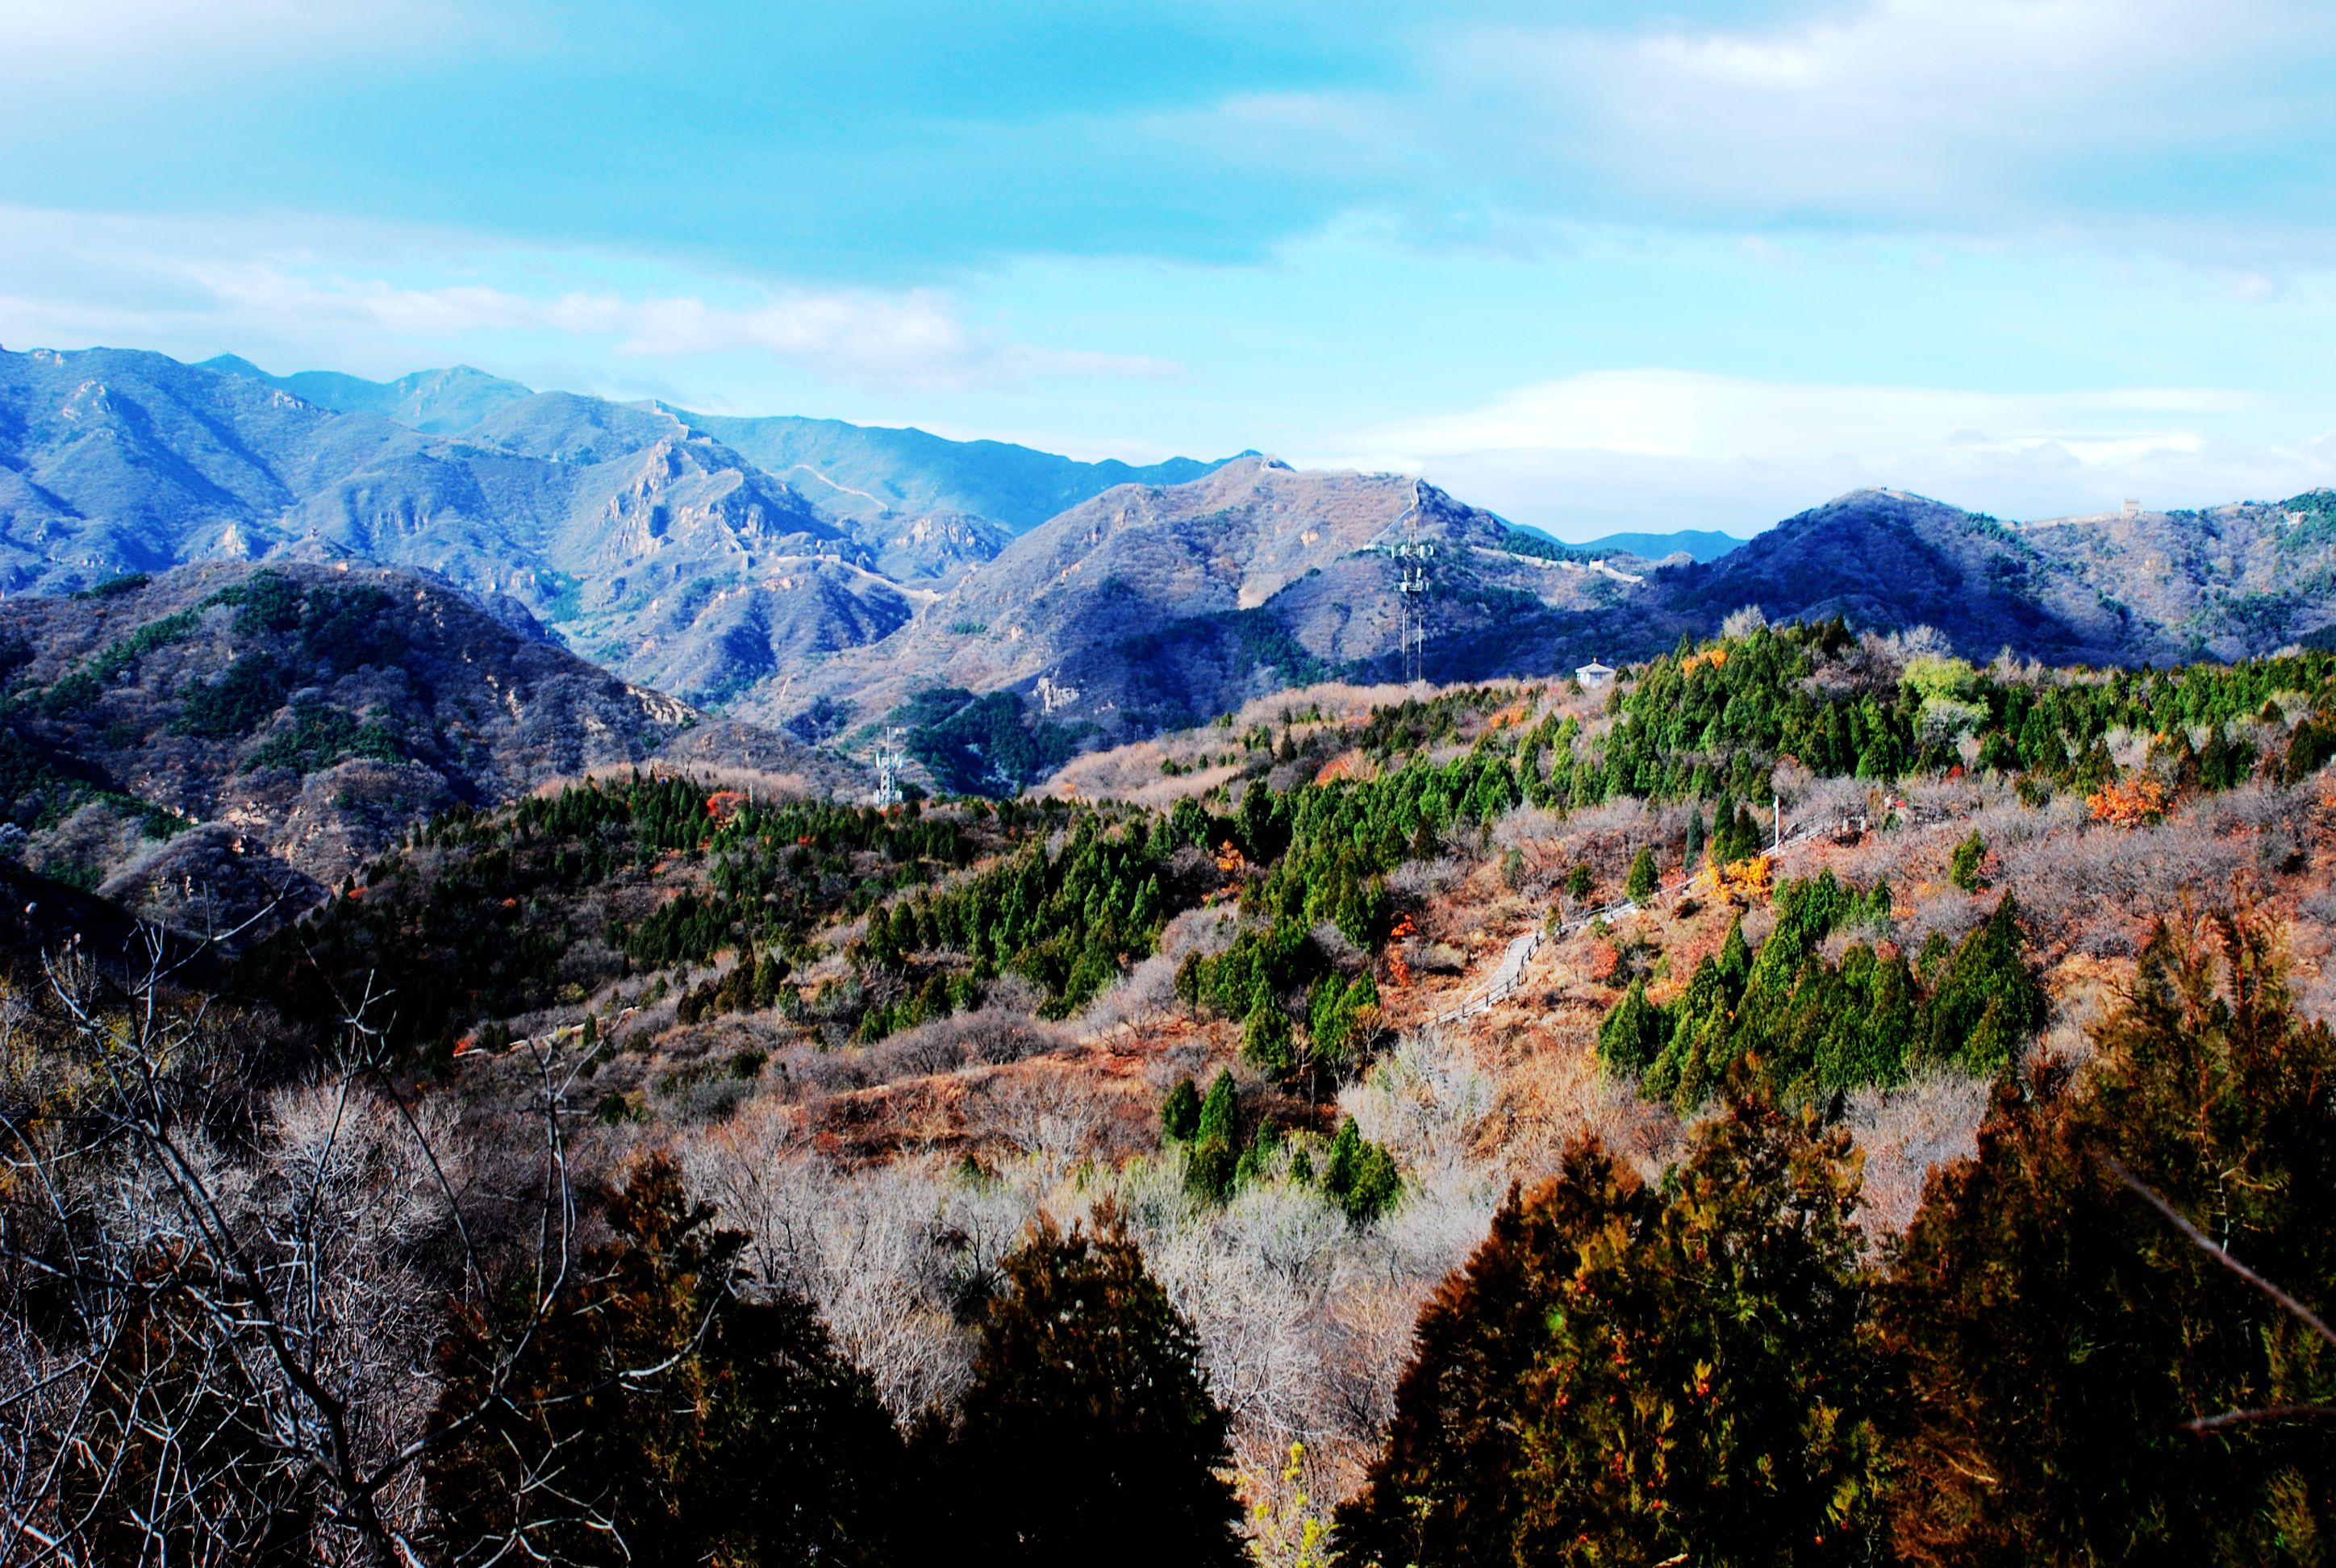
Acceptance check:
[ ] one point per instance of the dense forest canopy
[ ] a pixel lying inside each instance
(527, 1200)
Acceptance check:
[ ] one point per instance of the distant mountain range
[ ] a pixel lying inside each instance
(1695, 543)
(1146, 609)
(436, 402)
(1150, 609)
(849, 470)
(645, 540)
(1009, 606)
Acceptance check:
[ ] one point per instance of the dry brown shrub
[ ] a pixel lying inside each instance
(986, 1037)
(1146, 991)
(1936, 907)
(2097, 890)
(1828, 800)
(1426, 879)
(759, 783)
(1527, 828)
(1906, 1132)
(1551, 1090)
(1957, 797)
(2258, 806)
(1203, 931)
(1048, 1114)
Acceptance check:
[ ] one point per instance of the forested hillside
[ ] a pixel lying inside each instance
(199, 744)
(1748, 1080)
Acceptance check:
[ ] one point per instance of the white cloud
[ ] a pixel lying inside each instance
(1611, 449)
(296, 297)
(2193, 123)
(1926, 109)
(1688, 414)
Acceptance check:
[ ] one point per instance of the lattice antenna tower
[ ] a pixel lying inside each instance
(890, 760)
(1411, 583)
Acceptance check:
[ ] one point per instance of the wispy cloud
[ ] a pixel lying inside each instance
(1662, 447)
(1935, 112)
(2196, 124)
(1686, 415)
(69, 278)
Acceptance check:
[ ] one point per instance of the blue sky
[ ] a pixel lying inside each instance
(1598, 266)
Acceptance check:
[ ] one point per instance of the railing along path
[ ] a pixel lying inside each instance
(1511, 969)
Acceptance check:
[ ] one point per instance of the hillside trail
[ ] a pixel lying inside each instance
(1509, 971)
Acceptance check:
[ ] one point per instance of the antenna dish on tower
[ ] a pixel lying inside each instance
(1411, 584)
(888, 761)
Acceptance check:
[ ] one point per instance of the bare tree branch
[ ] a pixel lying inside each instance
(2205, 1245)
(2294, 1309)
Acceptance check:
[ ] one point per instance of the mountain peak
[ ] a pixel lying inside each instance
(234, 365)
(1874, 495)
(436, 402)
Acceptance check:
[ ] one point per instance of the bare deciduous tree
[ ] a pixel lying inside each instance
(219, 1304)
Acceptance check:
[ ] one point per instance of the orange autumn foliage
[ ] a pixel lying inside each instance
(2130, 802)
(1398, 973)
(1744, 879)
(1351, 764)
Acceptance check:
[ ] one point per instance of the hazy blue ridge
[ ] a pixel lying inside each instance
(851, 470)
(437, 402)
(860, 470)
(1699, 544)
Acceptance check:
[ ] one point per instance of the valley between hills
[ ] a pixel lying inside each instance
(453, 963)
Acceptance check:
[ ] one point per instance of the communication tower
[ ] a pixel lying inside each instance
(890, 760)
(1411, 582)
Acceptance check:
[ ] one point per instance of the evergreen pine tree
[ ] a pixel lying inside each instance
(1989, 972)
(1088, 1420)
(1265, 1038)
(1359, 1175)
(1640, 886)
(1631, 1374)
(1963, 868)
(1180, 1113)
(1215, 1153)
(2063, 1341)
(685, 1424)
(1633, 1032)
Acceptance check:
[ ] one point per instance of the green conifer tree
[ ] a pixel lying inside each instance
(1358, 1175)
(2064, 1341)
(1265, 1038)
(1964, 868)
(1632, 1374)
(1633, 1032)
(685, 1424)
(1180, 1112)
(1641, 885)
(1088, 1419)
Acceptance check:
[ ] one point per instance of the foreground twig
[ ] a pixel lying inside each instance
(2294, 1309)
